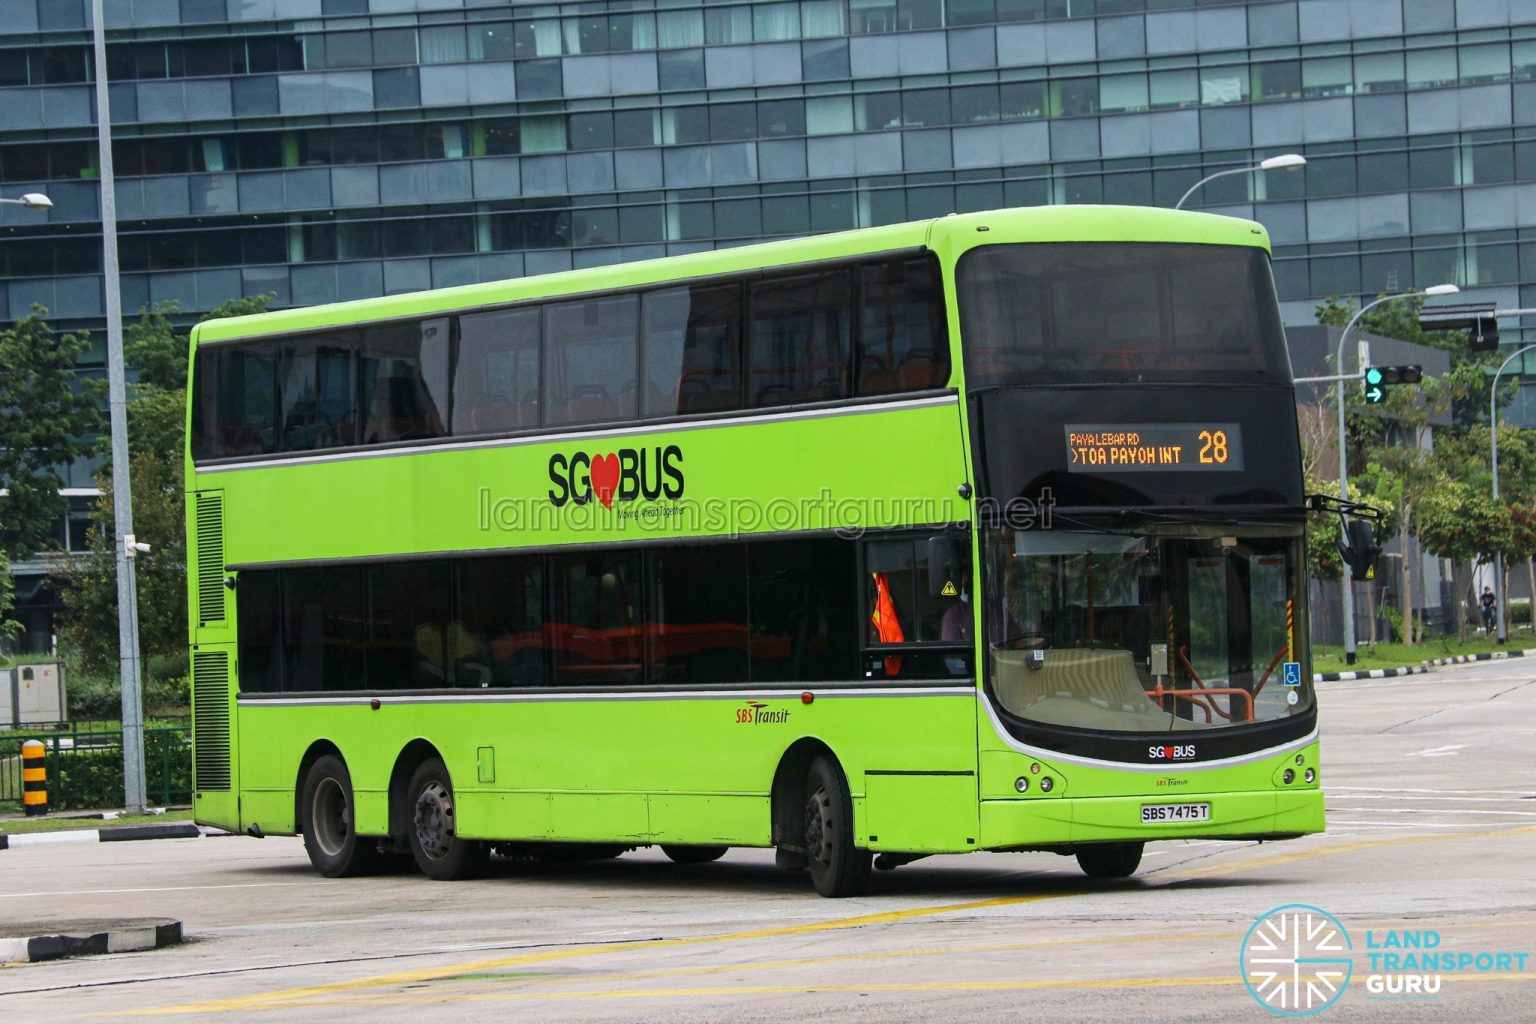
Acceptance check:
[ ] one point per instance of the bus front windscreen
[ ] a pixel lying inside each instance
(1167, 629)
(1060, 312)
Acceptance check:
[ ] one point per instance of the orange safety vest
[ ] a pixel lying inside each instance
(887, 625)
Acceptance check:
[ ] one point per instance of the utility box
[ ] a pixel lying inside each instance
(32, 695)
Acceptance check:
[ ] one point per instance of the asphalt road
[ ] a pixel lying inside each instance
(1432, 826)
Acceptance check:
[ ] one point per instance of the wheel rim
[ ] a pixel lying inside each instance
(819, 827)
(331, 817)
(434, 820)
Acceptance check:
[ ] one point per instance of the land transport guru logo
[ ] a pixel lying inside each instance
(1296, 960)
(626, 474)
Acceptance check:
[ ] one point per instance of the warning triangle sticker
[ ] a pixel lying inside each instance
(949, 590)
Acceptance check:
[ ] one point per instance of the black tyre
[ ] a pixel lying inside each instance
(326, 814)
(432, 827)
(693, 854)
(1110, 860)
(838, 868)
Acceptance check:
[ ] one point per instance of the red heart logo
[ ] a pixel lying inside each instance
(605, 478)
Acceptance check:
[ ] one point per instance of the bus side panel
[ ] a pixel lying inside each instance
(269, 768)
(640, 770)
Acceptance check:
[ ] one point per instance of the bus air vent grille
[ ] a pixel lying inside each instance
(210, 557)
(210, 720)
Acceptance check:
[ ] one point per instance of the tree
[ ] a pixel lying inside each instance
(156, 443)
(47, 421)
(8, 626)
(1463, 523)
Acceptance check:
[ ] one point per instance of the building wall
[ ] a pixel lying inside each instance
(332, 149)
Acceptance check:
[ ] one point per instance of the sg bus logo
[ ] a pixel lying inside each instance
(1296, 960)
(626, 474)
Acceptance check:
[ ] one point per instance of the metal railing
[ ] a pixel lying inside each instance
(85, 766)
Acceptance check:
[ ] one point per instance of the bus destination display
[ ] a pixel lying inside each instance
(1153, 447)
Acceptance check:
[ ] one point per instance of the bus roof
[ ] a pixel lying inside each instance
(1073, 223)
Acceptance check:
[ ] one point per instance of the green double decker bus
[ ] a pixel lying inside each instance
(976, 534)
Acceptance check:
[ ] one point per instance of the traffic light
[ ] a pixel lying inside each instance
(1357, 545)
(1475, 318)
(1378, 378)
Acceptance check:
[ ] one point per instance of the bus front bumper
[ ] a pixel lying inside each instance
(1044, 822)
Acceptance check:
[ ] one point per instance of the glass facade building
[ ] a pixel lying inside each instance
(331, 149)
(320, 150)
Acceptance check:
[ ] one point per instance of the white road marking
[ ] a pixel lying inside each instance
(1446, 751)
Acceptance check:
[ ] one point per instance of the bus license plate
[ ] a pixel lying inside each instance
(1154, 814)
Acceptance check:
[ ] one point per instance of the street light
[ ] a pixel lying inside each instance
(1501, 630)
(117, 399)
(1338, 362)
(32, 201)
(1285, 161)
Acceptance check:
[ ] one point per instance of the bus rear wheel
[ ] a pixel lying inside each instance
(837, 866)
(326, 816)
(693, 854)
(1110, 860)
(433, 827)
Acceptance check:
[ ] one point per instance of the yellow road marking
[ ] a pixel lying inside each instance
(1276, 859)
(274, 1000)
(717, 991)
(309, 994)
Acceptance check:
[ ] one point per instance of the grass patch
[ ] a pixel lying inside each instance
(65, 822)
(1393, 655)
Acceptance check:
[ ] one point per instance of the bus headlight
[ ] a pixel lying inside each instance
(1021, 784)
(1311, 775)
(1289, 776)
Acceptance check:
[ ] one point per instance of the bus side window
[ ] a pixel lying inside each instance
(594, 632)
(590, 360)
(798, 339)
(236, 409)
(697, 618)
(691, 346)
(325, 628)
(803, 610)
(414, 642)
(902, 343)
(260, 658)
(496, 375)
(404, 372)
(901, 609)
(500, 602)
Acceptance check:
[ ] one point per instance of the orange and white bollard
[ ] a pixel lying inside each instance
(34, 778)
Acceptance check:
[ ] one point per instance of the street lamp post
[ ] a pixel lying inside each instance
(1285, 161)
(117, 392)
(1501, 630)
(1349, 592)
(32, 201)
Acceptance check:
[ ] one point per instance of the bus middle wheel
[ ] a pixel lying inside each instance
(433, 827)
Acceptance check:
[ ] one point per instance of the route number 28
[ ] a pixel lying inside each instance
(1214, 447)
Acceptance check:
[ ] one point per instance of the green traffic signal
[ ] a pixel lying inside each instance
(1374, 392)
(1377, 379)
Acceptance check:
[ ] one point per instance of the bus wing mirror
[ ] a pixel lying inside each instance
(947, 559)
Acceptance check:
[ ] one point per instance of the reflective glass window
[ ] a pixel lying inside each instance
(404, 381)
(798, 329)
(496, 374)
(590, 361)
(691, 349)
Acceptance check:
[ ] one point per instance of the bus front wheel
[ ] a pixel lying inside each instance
(1110, 860)
(433, 827)
(326, 818)
(837, 866)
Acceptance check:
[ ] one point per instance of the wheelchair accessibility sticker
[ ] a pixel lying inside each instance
(1292, 676)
